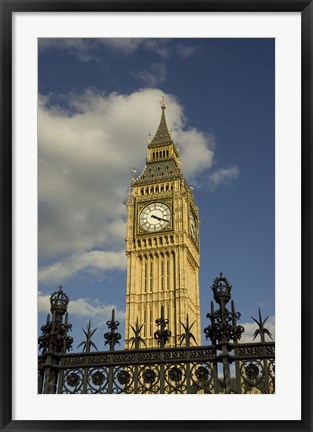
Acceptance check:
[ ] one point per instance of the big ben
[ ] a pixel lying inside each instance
(162, 246)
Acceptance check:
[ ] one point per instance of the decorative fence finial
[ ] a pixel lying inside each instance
(261, 331)
(187, 336)
(223, 326)
(137, 339)
(54, 336)
(88, 343)
(162, 335)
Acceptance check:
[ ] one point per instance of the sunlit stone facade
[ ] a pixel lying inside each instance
(162, 246)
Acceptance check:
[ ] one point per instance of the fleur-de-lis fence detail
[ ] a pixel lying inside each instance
(224, 366)
(162, 335)
(112, 337)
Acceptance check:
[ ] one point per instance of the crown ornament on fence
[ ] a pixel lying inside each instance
(54, 337)
(223, 327)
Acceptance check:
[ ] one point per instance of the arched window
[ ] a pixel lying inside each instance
(151, 275)
(162, 275)
(168, 273)
(151, 319)
(145, 277)
(145, 323)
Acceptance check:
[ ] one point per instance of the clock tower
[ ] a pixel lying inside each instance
(162, 247)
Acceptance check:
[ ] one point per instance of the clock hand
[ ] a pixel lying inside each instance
(158, 218)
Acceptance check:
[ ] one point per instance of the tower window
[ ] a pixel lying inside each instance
(150, 329)
(162, 275)
(151, 275)
(145, 323)
(145, 276)
(168, 273)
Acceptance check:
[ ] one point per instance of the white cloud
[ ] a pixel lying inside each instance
(93, 262)
(186, 51)
(161, 47)
(222, 176)
(123, 45)
(154, 76)
(81, 48)
(250, 328)
(85, 159)
(87, 49)
(84, 308)
(194, 146)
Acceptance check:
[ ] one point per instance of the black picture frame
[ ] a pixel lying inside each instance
(8, 7)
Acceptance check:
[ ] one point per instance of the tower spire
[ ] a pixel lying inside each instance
(163, 103)
(162, 135)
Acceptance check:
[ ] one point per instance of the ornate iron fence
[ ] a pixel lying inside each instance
(225, 366)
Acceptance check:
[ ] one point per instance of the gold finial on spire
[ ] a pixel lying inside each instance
(163, 103)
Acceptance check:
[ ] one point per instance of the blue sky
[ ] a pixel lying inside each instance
(98, 102)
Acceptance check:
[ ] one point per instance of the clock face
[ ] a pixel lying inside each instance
(193, 227)
(155, 216)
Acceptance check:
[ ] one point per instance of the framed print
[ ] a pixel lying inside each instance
(156, 166)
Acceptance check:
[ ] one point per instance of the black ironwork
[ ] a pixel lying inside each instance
(223, 326)
(88, 343)
(187, 336)
(112, 337)
(137, 339)
(225, 366)
(261, 330)
(54, 340)
(162, 335)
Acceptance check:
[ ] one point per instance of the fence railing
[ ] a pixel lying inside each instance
(225, 366)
